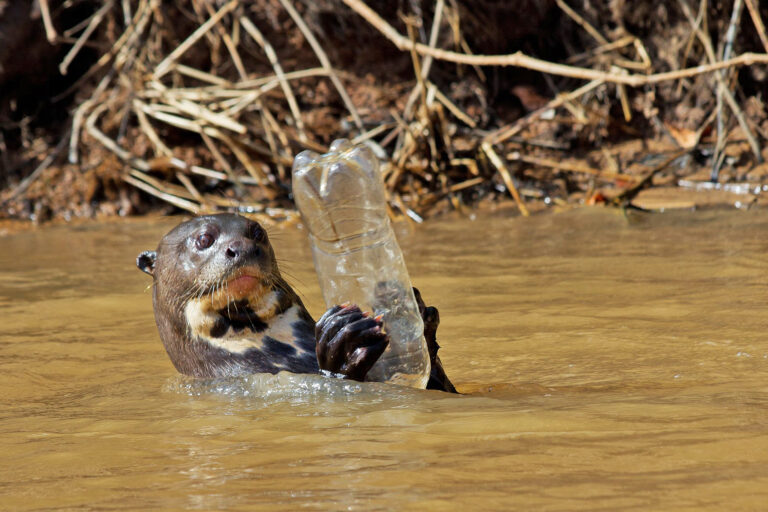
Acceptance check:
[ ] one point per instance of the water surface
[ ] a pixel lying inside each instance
(609, 363)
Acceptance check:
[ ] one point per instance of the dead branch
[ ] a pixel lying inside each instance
(520, 60)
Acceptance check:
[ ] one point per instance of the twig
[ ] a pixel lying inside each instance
(50, 32)
(570, 167)
(190, 187)
(519, 59)
(466, 184)
(218, 156)
(275, 127)
(643, 53)
(632, 191)
(469, 163)
(231, 47)
(95, 21)
(623, 98)
(728, 46)
(456, 111)
(126, 4)
(410, 215)
(169, 163)
(126, 39)
(203, 114)
(619, 43)
(168, 198)
(372, 133)
(170, 188)
(732, 28)
(90, 126)
(77, 120)
(754, 13)
(165, 65)
(453, 17)
(707, 43)
(270, 81)
(700, 17)
(266, 117)
(540, 143)
(496, 161)
(272, 57)
(47, 161)
(324, 61)
(201, 75)
(173, 120)
(427, 64)
(126, 51)
(420, 82)
(508, 131)
(581, 21)
(146, 126)
(255, 171)
(236, 105)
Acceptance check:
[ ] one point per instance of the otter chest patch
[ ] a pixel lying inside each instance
(272, 336)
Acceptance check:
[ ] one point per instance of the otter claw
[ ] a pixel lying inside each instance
(349, 341)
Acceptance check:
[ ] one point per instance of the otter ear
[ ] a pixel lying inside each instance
(146, 262)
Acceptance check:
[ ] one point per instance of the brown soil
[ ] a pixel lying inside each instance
(612, 145)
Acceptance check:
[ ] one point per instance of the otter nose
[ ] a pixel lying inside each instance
(235, 249)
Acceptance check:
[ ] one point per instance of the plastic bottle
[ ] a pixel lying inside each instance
(341, 199)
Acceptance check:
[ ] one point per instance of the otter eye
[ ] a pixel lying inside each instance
(256, 232)
(204, 241)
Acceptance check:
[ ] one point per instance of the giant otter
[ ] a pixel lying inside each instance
(222, 308)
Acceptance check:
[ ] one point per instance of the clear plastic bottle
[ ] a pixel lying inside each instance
(341, 199)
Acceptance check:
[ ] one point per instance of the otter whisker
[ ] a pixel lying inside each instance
(194, 291)
(294, 279)
(214, 291)
(284, 286)
(200, 290)
(229, 301)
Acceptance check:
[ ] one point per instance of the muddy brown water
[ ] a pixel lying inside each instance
(610, 363)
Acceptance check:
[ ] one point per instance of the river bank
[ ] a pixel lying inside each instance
(140, 106)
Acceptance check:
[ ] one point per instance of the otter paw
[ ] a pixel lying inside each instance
(437, 377)
(431, 318)
(349, 341)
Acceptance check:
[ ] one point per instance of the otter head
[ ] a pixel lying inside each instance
(216, 287)
(224, 257)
